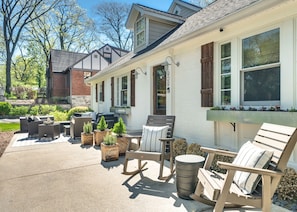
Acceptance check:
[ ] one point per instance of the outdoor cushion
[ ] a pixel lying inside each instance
(150, 138)
(250, 155)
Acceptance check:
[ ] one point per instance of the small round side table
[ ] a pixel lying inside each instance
(187, 167)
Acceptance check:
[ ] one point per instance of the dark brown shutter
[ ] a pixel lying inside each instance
(96, 92)
(207, 75)
(132, 95)
(102, 91)
(112, 92)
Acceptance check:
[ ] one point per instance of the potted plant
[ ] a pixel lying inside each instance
(87, 134)
(101, 131)
(119, 129)
(109, 147)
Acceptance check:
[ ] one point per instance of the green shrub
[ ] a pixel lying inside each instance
(19, 111)
(5, 108)
(180, 147)
(287, 187)
(59, 116)
(102, 125)
(78, 109)
(119, 128)
(47, 109)
(34, 110)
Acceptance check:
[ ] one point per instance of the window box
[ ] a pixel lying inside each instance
(121, 110)
(253, 117)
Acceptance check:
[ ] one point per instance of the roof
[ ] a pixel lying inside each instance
(185, 4)
(144, 10)
(61, 60)
(205, 19)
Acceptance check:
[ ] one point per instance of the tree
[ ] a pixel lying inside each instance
(16, 15)
(112, 19)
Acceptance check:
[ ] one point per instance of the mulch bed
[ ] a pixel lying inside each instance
(5, 138)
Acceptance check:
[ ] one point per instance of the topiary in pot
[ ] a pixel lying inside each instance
(119, 129)
(109, 148)
(101, 131)
(87, 134)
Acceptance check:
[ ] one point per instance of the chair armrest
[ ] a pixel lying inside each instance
(133, 146)
(166, 139)
(231, 166)
(218, 151)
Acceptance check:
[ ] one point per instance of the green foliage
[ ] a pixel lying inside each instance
(78, 109)
(59, 116)
(5, 108)
(87, 128)
(194, 149)
(19, 111)
(47, 109)
(119, 128)
(35, 110)
(102, 125)
(109, 139)
(5, 127)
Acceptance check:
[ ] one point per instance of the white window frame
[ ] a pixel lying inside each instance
(140, 31)
(120, 90)
(225, 74)
(257, 68)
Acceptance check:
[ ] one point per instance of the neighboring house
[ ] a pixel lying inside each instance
(231, 53)
(68, 70)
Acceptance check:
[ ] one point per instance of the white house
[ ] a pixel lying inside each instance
(232, 53)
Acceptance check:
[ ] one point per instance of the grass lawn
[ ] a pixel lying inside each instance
(5, 127)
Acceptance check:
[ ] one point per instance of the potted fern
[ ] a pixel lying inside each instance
(87, 134)
(109, 147)
(101, 131)
(119, 129)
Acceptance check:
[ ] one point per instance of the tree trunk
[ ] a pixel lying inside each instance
(8, 76)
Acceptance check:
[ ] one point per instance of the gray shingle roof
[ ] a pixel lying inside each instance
(61, 60)
(216, 11)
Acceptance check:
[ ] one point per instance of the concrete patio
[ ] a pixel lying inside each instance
(63, 176)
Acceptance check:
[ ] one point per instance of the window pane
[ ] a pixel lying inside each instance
(226, 50)
(261, 49)
(226, 66)
(262, 85)
(124, 97)
(226, 97)
(226, 81)
(124, 82)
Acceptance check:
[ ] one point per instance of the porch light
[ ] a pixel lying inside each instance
(138, 70)
(170, 61)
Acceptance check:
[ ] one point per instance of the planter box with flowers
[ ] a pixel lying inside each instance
(109, 148)
(254, 116)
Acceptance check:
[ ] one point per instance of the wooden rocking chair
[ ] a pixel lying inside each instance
(165, 143)
(221, 190)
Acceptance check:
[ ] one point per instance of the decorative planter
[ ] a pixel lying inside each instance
(98, 136)
(109, 152)
(123, 144)
(254, 117)
(87, 138)
(121, 110)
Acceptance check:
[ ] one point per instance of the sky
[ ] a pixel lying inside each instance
(163, 5)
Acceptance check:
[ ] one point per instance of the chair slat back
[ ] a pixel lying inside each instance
(279, 139)
(162, 120)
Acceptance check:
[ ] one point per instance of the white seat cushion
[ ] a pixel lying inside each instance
(250, 155)
(150, 138)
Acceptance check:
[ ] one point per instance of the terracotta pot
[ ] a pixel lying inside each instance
(87, 138)
(98, 136)
(123, 144)
(109, 152)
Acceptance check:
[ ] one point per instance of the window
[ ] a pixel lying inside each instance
(124, 91)
(226, 74)
(140, 32)
(260, 74)
(101, 91)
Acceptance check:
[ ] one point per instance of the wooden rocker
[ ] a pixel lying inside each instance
(265, 159)
(156, 143)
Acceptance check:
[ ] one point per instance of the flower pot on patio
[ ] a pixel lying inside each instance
(98, 136)
(119, 129)
(123, 144)
(87, 134)
(109, 148)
